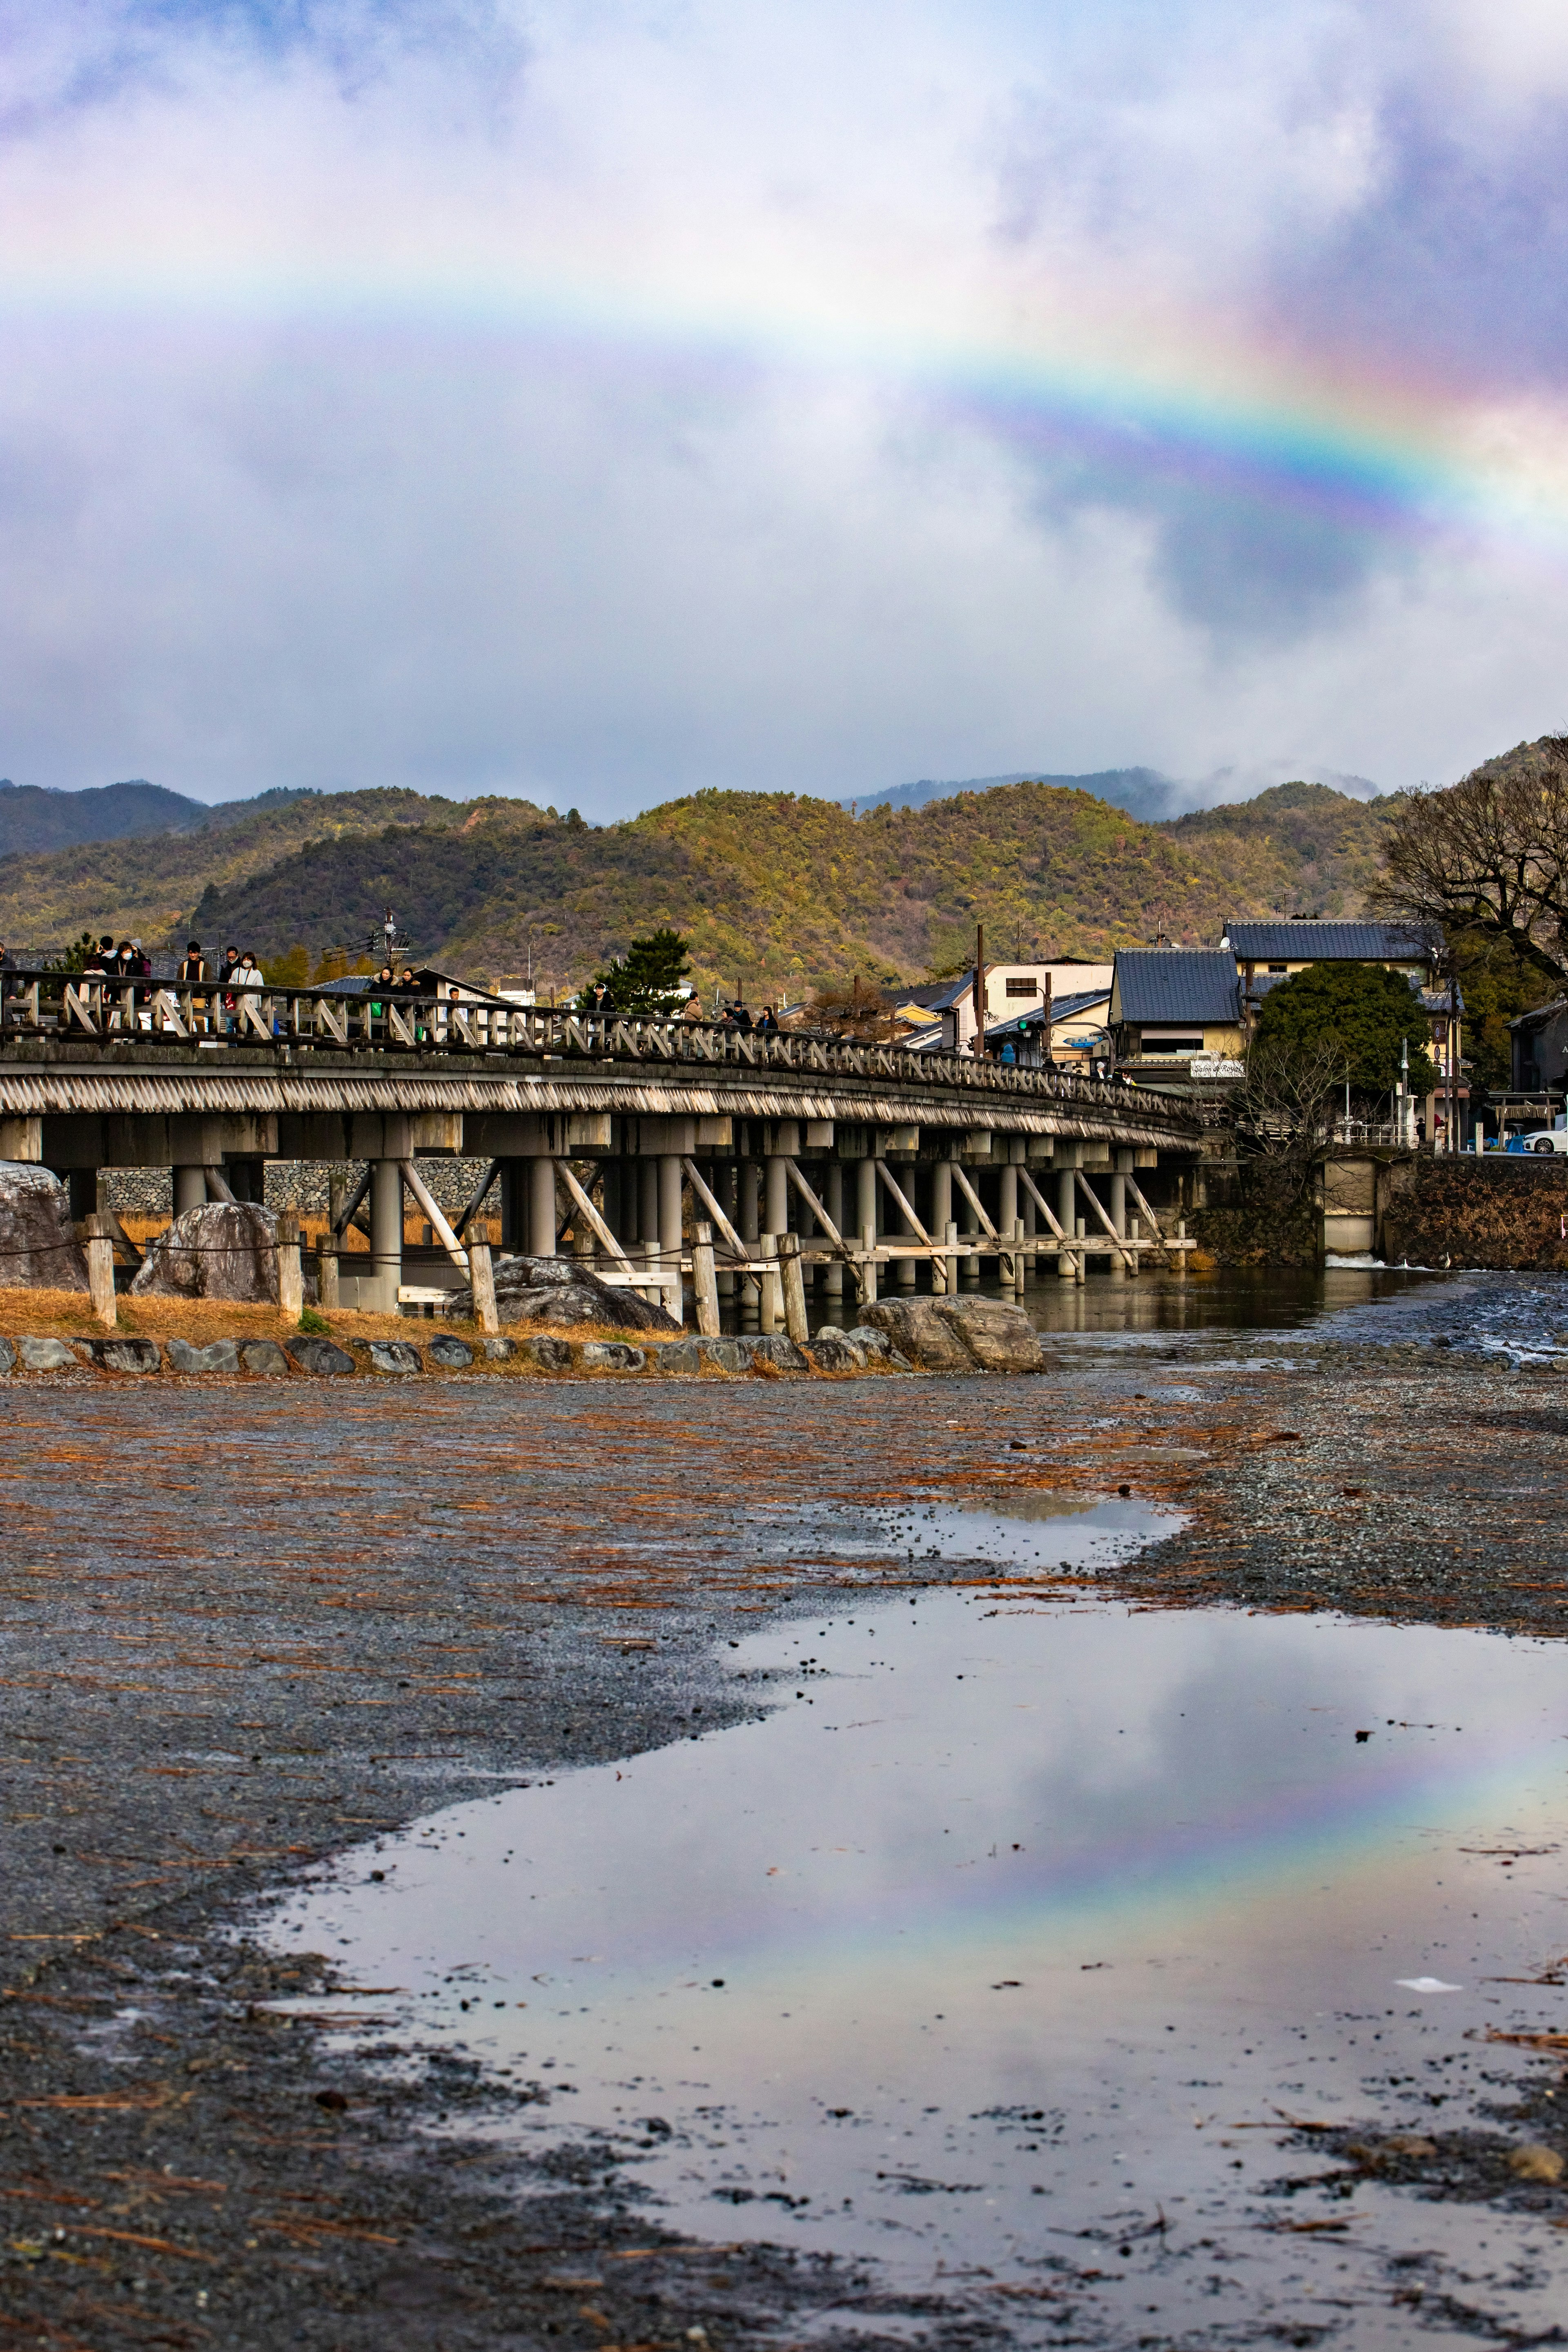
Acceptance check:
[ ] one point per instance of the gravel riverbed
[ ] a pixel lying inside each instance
(247, 1627)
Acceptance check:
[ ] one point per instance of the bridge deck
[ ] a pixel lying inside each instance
(74, 1047)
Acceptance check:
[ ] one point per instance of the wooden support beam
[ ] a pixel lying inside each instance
(425, 1198)
(813, 1204)
(344, 1217)
(793, 1282)
(893, 1186)
(568, 1175)
(1092, 1197)
(705, 1282)
(477, 1198)
(714, 1210)
(482, 1284)
(972, 1197)
(99, 1244)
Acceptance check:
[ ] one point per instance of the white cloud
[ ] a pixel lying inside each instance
(618, 401)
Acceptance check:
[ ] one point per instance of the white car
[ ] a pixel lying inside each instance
(1544, 1139)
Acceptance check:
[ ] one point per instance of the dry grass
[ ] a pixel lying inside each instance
(67, 1314)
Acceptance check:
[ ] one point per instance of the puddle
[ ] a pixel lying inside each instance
(1023, 1529)
(988, 1952)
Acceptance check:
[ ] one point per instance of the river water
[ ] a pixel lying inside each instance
(998, 1949)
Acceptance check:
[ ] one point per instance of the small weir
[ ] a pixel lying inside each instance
(1002, 1949)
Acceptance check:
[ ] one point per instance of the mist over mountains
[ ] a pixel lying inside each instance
(1143, 792)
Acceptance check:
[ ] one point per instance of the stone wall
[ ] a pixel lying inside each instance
(1506, 1212)
(299, 1184)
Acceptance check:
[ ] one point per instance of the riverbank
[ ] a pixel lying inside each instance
(240, 1637)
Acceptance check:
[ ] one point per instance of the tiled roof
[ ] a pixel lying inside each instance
(1176, 985)
(1284, 943)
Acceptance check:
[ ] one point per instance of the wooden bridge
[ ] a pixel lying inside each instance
(863, 1162)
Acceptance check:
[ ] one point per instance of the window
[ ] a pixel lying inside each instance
(1172, 1041)
(1021, 986)
(1279, 967)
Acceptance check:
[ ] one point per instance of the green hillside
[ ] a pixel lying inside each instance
(776, 890)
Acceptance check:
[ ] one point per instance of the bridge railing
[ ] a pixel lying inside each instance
(88, 1008)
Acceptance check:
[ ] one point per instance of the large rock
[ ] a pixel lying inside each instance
(958, 1335)
(561, 1290)
(37, 1249)
(226, 1249)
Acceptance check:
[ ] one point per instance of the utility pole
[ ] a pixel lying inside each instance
(980, 992)
(1453, 1054)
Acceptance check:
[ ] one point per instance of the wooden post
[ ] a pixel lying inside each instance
(1018, 1259)
(705, 1282)
(291, 1280)
(868, 1265)
(771, 1313)
(483, 1280)
(101, 1269)
(793, 1278)
(327, 1273)
(1181, 1255)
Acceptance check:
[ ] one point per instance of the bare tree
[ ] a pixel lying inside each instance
(1488, 856)
(1285, 1101)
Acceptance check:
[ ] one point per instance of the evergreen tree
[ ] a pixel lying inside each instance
(1361, 1010)
(647, 978)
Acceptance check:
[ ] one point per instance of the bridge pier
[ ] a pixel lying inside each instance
(190, 1189)
(830, 1192)
(942, 1268)
(378, 1288)
(1067, 1217)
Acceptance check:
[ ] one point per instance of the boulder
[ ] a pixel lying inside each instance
(679, 1356)
(958, 1335)
(611, 1355)
(833, 1351)
(319, 1356)
(38, 1250)
(265, 1359)
(393, 1355)
(562, 1290)
(552, 1355)
(217, 1356)
(497, 1351)
(877, 1347)
(771, 1349)
(450, 1354)
(226, 1249)
(921, 1335)
(48, 1356)
(7, 1357)
(122, 1355)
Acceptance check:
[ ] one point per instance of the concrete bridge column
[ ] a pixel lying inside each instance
(969, 1224)
(940, 1219)
(832, 1199)
(1031, 1227)
(648, 1203)
(1067, 1217)
(866, 1189)
(378, 1289)
(1120, 1169)
(775, 1198)
(670, 1206)
(190, 1189)
(748, 1224)
(1006, 1218)
(610, 1198)
(540, 1207)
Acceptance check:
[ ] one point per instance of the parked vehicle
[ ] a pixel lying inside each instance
(1543, 1139)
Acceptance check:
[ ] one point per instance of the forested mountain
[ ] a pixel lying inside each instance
(774, 889)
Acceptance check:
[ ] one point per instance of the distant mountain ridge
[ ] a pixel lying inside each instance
(776, 890)
(34, 818)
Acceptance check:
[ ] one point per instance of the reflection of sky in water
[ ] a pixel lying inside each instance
(1019, 1529)
(987, 1937)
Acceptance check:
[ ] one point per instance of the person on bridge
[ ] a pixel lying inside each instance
(195, 974)
(768, 1026)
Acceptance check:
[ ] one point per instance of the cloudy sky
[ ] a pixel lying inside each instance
(603, 401)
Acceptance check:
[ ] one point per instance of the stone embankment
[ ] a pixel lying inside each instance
(1506, 1212)
(958, 1335)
